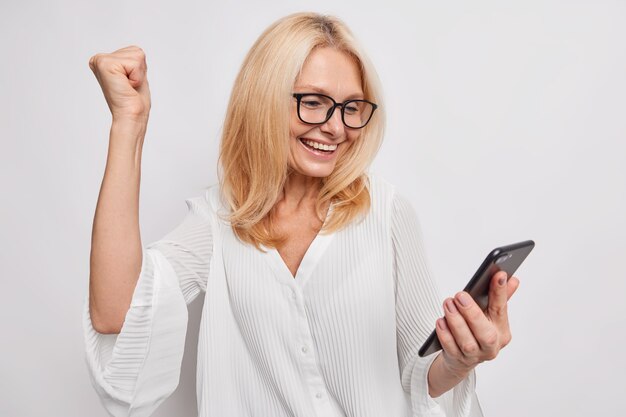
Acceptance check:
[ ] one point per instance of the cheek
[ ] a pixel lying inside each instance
(353, 136)
(296, 129)
(351, 139)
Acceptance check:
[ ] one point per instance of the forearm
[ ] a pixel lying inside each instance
(442, 378)
(116, 253)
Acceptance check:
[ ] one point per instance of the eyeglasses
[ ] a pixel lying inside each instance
(317, 109)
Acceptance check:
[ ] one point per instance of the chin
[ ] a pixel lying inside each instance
(313, 171)
(309, 164)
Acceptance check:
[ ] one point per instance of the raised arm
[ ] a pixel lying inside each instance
(116, 251)
(417, 310)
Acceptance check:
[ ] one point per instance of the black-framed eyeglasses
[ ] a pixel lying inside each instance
(317, 109)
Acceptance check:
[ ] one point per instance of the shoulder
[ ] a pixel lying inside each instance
(212, 204)
(385, 194)
(381, 191)
(387, 198)
(205, 203)
(382, 198)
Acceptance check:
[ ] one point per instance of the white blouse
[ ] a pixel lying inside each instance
(338, 340)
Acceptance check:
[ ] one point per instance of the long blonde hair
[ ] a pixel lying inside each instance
(255, 138)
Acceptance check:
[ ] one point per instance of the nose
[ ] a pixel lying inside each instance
(334, 125)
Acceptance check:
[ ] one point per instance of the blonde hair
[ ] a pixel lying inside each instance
(255, 138)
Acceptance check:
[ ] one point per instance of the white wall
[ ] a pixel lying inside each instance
(506, 122)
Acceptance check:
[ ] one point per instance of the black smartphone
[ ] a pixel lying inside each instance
(505, 258)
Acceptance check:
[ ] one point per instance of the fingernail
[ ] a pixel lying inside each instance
(442, 324)
(451, 307)
(502, 280)
(463, 299)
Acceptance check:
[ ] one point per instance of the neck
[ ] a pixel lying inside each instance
(300, 189)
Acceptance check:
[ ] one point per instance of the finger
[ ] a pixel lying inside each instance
(144, 88)
(137, 56)
(498, 296)
(133, 64)
(446, 339)
(483, 330)
(460, 330)
(134, 73)
(130, 48)
(93, 62)
(498, 311)
(511, 286)
(135, 70)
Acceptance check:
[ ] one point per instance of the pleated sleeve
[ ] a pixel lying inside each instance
(418, 306)
(134, 371)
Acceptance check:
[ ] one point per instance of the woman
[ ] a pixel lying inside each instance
(317, 294)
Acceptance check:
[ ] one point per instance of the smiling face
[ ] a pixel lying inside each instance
(336, 74)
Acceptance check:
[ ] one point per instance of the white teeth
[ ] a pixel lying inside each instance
(318, 145)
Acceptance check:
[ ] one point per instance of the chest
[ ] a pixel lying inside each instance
(299, 233)
(349, 270)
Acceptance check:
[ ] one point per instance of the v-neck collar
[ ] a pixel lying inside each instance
(311, 258)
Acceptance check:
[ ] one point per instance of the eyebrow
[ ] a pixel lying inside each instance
(310, 87)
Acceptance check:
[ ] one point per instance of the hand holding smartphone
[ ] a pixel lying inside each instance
(505, 258)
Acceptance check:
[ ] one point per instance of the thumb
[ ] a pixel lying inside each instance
(136, 75)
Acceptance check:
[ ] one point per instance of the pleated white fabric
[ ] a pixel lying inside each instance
(340, 339)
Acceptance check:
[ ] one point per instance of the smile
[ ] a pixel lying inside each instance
(318, 146)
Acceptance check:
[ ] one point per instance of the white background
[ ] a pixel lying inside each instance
(507, 121)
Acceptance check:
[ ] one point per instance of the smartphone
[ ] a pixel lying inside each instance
(505, 258)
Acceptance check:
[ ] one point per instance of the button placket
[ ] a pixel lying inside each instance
(309, 361)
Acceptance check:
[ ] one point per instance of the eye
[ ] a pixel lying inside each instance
(310, 103)
(351, 108)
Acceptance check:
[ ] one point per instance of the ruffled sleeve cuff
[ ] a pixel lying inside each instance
(137, 369)
(461, 401)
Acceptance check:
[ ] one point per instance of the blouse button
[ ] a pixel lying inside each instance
(318, 395)
(305, 349)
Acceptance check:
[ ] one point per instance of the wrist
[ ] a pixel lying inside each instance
(454, 368)
(126, 140)
(443, 375)
(138, 122)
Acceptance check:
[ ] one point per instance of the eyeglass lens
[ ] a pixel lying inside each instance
(316, 108)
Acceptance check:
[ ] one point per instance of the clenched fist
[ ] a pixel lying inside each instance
(123, 78)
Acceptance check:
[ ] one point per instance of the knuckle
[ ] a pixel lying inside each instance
(491, 354)
(506, 338)
(100, 60)
(491, 338)
(469, 348)
(94, 59)
(497, 311)
(130, 48)
(138, 52)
